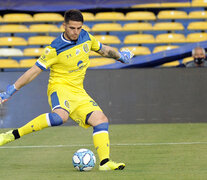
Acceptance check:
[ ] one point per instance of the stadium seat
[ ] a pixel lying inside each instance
(149, 5)
(48, 17)
(171, 64)
(13, 28)
(140, 15)
(27, 63)
(100, 62)
(137, 27)
(139, 39)
(88, 16)
(171, 14)
(175, 4)
(17, 18)
(168, 26)
(108, 39)
(44, 28)
(202, 25)
(163, 48)
(107, 27)
(12, 41)
(198, 15)
(33, 51)
(170, 38)
(138, 50)
(196, 37)
(8, 63)
(186, 60)
(1, 19)
(199, 3)
(109, 16)
(8, 52)
(40, 40)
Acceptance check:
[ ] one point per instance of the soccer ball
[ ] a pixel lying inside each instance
(84, 160)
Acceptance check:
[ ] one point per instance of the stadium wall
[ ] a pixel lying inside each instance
(162, 95)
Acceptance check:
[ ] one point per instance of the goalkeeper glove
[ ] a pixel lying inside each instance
(4, 96)
(125, 56)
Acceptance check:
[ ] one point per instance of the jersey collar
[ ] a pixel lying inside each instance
(65, 40)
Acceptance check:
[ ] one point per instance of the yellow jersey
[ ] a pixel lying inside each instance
(68, 60)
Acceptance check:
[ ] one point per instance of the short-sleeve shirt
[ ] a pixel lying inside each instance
(68, 60)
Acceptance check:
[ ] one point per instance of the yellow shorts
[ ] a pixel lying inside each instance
(76, 101)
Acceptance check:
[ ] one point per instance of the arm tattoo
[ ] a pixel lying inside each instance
(109, 52)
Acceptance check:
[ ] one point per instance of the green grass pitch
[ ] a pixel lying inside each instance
(150, 151)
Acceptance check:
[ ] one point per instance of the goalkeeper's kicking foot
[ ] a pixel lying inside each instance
(6, 137)
(110, 165)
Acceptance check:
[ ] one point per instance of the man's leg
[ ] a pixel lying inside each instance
(56, 118)
(101, 141)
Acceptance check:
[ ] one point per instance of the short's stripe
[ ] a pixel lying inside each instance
(55, 100)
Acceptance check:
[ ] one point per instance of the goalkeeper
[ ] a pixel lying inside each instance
(68, 59)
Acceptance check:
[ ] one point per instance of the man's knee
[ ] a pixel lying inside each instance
(96, 118)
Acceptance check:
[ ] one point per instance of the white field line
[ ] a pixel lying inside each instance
(87, 145)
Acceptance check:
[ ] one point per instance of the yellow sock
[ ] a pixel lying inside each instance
(36, 124)
(101, 143)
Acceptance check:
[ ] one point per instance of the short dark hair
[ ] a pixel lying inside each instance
(73, 15)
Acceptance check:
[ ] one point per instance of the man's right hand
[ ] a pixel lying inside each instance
(4, 96)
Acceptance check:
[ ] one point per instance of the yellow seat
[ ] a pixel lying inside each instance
(13, 28)
(197, 26)
(47, 17)
(139, 39)
(109, 16)
(88, 16)
(168, 26)
(12, 41)
(33, 51)
(186, 60)
(199, 3)
(8, 52)
(43, 28)
(108, 39)
(40, 40)
(198, 15)
(138, 50)
(170, 38)
(17, 17)
(107, 27)
(163, 48)
(149, 5)
(137, 27)
(140, 15)
(171, 14)
(1, 19)
(8, 63)
(27, 63)
(196, 37)
(171, 64)
(100, 62)
(175, 4)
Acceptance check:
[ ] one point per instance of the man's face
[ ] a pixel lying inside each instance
(199, 53)
(72, 30)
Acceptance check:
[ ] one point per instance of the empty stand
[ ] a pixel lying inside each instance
(40, 40)
(175, 4)
(171, 64)
(8, 52)
(13, 28)
(199, 3)
(17, 18)
(168, 26)
(48, 17)
(142, 26)
(202, 25)
(186, 60)
(44, 28)
(139, 39)
(172, 14)
(108, 39)
(198, 15)
(33, 51)
(163, 48)
(140, 15)
(100, 61)
(170, 38)
(12, 41)
(150, 5)
(196, 37)
(138, 50)
(107, 27)
(8, 63)
(88, 16)
(109, 16)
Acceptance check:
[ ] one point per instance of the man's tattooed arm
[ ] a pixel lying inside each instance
(109, 52)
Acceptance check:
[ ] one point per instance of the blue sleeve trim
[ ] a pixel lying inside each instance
(100, 47)
(41, 67)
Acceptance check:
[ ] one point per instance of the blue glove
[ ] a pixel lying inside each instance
(125, 56)
(4, 96)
